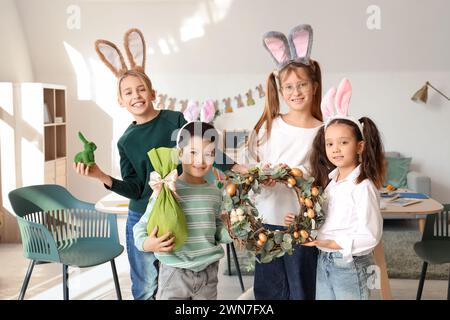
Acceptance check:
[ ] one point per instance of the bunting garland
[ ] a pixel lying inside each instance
(210, 109)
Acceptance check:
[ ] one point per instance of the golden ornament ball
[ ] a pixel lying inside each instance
(262, 237)
(308, 203)
(304, 234)
(231, 189)
(311, 214)
(315, 191)
(259, 243)
(292, 181)
(250, 178)
(302, 201)
(296, 172)
(296, 234)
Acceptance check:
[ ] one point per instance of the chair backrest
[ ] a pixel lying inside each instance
(437, 225)
(44, 198)
(51, 219)
(69, 225)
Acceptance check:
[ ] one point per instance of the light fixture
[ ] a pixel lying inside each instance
(422, 93)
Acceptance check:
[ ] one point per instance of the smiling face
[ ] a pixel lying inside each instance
(341, 146)
(297, 89)
(197, 157)
(136, 97)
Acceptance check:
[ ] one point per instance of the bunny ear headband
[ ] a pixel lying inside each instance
(112, 57)
(297, 48)
(335, 104)
(207, 112)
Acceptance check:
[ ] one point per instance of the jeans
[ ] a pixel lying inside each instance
(288, 277)
(340, 280)
(143, 265)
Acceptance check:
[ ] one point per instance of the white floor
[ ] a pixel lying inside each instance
(97, 282)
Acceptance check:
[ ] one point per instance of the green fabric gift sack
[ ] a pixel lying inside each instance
(167, 213)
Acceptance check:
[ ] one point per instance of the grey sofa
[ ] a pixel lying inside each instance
(416, 181)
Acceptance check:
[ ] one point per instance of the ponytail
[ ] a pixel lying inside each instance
(316, 76)
(320, 165)
(271, 111)
(373, 165)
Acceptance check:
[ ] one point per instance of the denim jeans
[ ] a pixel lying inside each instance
(143, 265)
(288, 277)
(340, 280)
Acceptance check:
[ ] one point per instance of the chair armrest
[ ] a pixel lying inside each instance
(418, 182)
(37, 241)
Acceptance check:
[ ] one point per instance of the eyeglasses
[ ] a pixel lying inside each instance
(303, 86)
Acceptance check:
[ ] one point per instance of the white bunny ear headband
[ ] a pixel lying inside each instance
(296, 48)
(112, 57)
(335, 104)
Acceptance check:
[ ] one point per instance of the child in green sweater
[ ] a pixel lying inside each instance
(191, 271)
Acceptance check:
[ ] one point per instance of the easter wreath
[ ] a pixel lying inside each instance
(241, 216)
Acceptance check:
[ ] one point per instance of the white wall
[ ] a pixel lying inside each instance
(15, 65)
(385, 66)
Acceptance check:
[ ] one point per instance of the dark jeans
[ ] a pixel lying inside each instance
(289, 277)
(143, 265)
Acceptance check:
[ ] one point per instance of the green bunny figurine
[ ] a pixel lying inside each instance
(87, 155)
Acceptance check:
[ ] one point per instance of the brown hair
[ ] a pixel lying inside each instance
(145, 79)
(272, 101)
(372, 158)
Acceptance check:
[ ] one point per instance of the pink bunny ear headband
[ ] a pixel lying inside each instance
(207, 112)
(335, 104)
(112, 57)
(297, 48)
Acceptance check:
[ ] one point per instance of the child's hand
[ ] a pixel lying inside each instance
(268, 182)
(92, 171)
(330, 244)
(159, 244)
(239, 168)
(289, 219)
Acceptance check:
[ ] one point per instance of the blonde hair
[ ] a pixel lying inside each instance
(145, 79)
(272, 101)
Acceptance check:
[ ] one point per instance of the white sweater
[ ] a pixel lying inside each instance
(289, 145)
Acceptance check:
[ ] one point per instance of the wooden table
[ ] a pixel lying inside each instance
(113, 203)
(418, 210)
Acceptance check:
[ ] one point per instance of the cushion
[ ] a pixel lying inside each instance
(397, 170)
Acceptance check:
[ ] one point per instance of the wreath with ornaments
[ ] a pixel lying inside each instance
(241, 216)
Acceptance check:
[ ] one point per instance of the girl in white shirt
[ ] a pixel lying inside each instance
(287, 139)
(352, 150)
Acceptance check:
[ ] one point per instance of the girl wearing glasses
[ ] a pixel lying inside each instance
(286, 138)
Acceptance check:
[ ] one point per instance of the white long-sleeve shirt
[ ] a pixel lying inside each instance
(353, 217)
(290, 145)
